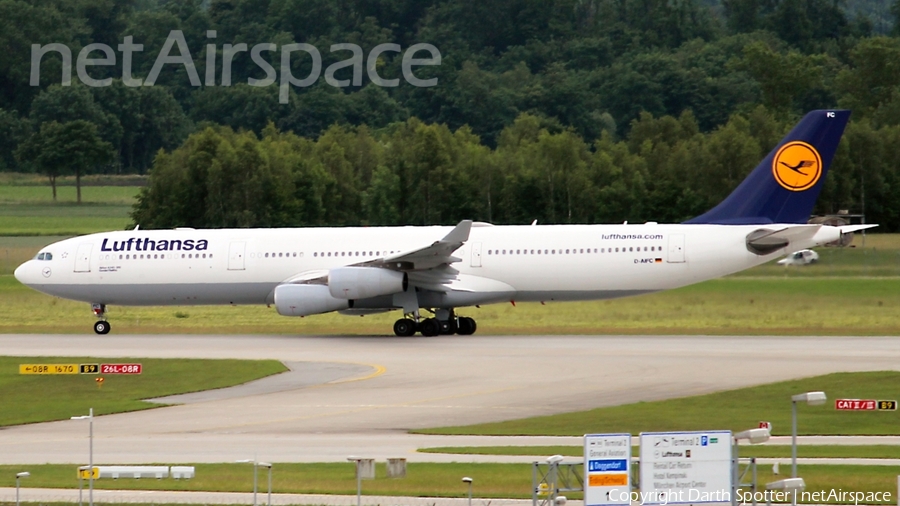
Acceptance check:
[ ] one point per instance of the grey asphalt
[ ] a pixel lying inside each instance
(300, 375)
(410, 383)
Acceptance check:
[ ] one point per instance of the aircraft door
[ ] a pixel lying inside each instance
(676, 249)
(236, 256)
(476, 254)
(83, 257)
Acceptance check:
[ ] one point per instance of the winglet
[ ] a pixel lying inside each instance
(459, 234)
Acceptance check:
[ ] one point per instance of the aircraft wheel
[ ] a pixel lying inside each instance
(404, 327)
(102, 327)
(430, 327)
(467, 326)
(448, 326)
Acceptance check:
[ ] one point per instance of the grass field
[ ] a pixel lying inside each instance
(30, 210)
(758, 451)
(423, 479)
(734, 410)
(831, 306)
(39, 398)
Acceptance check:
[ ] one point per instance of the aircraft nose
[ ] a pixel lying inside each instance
(25, 273)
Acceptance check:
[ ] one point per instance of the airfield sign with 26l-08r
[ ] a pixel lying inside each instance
(607, 469)
(686, 467)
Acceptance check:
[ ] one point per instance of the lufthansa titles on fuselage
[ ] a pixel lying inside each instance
(147, 244)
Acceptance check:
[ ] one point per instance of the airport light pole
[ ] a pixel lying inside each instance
(25, 474)
(268, 466)
(469, 481)
(812, 399)
(255, 466)
(754, 436)
(358, 480)
(553, 472)
(90, 418)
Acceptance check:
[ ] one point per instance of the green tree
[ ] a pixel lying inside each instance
(12, 131)
(873, 75)
(783, 78)
(65, 104)
(60, 148)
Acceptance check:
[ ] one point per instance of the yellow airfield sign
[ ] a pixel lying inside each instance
(49, 369)
(59, 368)
(85, 473)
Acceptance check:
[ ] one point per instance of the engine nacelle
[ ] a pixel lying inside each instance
(305, 300)
(363, 282)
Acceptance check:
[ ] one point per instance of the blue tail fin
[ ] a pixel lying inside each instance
(784, 187)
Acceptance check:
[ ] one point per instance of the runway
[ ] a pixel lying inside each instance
(374, 389)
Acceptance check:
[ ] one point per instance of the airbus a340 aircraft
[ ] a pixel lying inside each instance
(307, 271)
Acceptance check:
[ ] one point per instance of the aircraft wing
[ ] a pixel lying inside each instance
(435, 255)
(422, 262)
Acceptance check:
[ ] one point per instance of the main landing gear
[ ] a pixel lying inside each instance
(444, 322)
(101, 326)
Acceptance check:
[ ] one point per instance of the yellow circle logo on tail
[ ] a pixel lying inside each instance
(797, 166)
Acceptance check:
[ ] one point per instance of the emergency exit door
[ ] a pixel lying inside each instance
(676, 249)
(236, 256)
(476, 254)
(83, 257)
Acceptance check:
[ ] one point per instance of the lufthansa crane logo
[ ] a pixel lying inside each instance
(797, 166)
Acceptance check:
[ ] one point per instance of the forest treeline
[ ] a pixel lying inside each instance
(413, 173)
(591, 74)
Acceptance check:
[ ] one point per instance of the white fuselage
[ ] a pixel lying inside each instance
(497, 263)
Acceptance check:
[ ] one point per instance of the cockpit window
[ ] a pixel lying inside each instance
(40, 256)
(45, 256)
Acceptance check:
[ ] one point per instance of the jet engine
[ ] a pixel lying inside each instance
(305, 300)
(364, 282)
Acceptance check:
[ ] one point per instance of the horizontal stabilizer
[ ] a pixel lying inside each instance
(849, 229)
(764, 241)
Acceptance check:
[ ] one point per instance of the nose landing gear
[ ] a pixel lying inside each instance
(101, 326)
